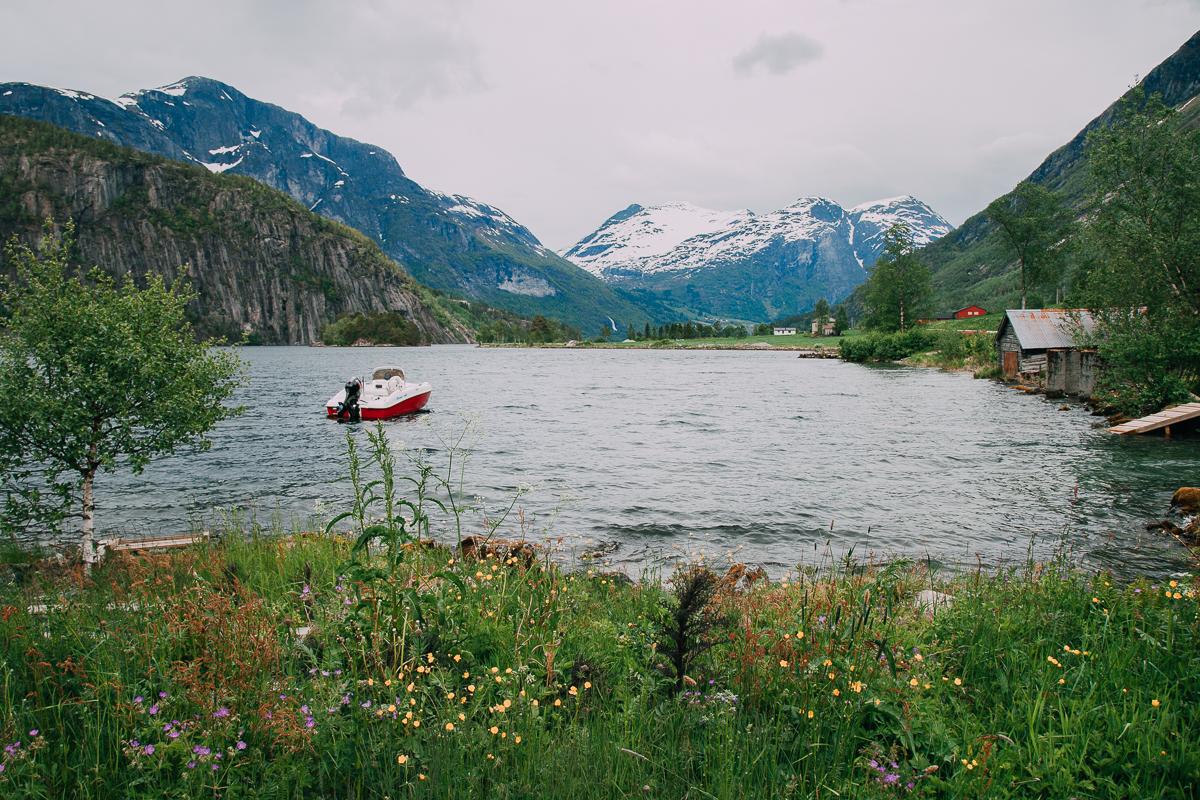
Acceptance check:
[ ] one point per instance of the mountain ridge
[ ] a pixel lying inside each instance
(972, 266)
(264, 267)
(747, 265)
(449, 242)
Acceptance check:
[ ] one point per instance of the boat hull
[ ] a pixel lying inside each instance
(408, 405)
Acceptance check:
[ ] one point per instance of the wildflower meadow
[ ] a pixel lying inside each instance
(380, 659)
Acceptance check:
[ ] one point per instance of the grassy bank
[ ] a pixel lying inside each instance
(373, 665)
(927, 346)
(799, 341)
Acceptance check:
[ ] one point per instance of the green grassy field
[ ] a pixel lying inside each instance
(301, 666)
(988, 322)
(799, 340)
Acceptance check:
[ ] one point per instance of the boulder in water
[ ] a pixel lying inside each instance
(1186, 500)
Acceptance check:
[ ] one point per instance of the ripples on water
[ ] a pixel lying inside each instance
(773, 458)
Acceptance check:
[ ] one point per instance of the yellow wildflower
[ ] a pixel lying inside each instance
(958, 681)
(402, 759)
(1155, 703)
(783, 663)
(449, 726)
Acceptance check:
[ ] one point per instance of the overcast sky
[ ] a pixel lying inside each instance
(563, 112)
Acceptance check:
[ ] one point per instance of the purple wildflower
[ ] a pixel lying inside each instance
(152, 710)
(33, 732)
(162, 695)
(221, 713)
(173, 735)
(241, 745)
(148, 749)
(309, 722)
(191, 765)
(137, 701)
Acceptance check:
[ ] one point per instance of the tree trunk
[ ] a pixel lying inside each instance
(89, 520)
(1022, 283)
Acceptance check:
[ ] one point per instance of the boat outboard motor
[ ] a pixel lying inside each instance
(347, 410)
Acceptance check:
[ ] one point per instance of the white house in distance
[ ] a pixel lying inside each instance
(785, 331)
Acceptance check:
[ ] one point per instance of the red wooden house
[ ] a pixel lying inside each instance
(969, 311)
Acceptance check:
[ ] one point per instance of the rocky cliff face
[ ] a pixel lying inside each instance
(449, 242)
(264, 266)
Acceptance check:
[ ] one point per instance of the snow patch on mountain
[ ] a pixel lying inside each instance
(219, 168)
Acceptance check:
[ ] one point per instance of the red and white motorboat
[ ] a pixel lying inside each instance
(387, 394)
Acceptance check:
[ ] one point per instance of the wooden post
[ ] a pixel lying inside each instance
(1167, 433)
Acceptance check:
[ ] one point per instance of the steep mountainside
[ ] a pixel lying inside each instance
(449, 242)
(972, 265)
(742, 265)
(264, 266)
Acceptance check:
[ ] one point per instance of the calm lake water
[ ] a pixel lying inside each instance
(651, 454)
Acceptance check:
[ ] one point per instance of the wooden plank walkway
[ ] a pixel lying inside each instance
(1163, 419)
(134, 544)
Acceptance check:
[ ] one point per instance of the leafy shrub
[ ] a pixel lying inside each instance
(887, 346)
(381, 327)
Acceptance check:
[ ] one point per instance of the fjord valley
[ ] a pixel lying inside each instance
(319, 481)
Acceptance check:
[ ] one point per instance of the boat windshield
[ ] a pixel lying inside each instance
(384, 373)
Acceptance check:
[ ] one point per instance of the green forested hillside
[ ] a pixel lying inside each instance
(972, 264)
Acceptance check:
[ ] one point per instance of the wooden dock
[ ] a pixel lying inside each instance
(139, 544)
(1162, 420)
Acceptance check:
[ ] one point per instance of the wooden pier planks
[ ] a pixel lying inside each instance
(1163, 419)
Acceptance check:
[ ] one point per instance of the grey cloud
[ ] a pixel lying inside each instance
(777, 54)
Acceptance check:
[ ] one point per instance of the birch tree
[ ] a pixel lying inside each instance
(96, 375)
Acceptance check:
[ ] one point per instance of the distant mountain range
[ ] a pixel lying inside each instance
(742, 265)
(264, 267)
(449, 242)
(972, 265)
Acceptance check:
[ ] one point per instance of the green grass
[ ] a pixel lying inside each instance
(988, 322)
(798, 340)
(316, 670)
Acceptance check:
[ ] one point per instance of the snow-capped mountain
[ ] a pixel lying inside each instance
(449, 242)
(873, 219)
(634, 238)
(746, 265)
